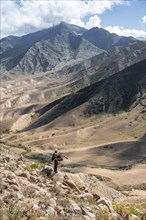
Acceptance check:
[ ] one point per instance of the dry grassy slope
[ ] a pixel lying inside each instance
(120, 92)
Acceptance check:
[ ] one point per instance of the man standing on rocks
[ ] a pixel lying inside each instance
(57, 156)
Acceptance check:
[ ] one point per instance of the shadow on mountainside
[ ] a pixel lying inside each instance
(120, 92)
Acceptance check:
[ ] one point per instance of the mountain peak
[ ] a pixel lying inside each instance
(50, 47)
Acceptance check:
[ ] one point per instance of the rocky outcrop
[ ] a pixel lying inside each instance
(40, 194)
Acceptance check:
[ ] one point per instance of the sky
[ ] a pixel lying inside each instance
(123, 17)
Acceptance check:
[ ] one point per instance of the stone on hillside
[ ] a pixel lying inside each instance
(52, 202)
(67, 181)
(86, 196)
(58, 177)
(77, 179)
(96, 196)
(42, 192)
(115, 216)
(86, 212)
(20, 195)
(74, 207)
(33, 179)
(86, 217)
(43, 218)
(52, 214)
(103, 201)
(10, 175)
(60, 211)
(91, 215)
(41, 185)
(18, 172)
(36, 207)
(13, 182)
(8, 196)
(25, 174)
(47, 171)
(8, 158)
(134, 217)
(3, 186)
(13, 187)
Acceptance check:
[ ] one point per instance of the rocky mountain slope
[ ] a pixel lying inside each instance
(117, 93)
(105, 40)
(30, 190)
(43, 50)
(103, 65)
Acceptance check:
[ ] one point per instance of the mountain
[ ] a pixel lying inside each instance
(119, 92)
(105, 40)
(103, 65)
(43, 50)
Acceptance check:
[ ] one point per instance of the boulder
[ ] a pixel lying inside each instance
(103, 201)
(88, 213)
(67, 181)
(96, 196)
(60, 211)
(8, 158)
(3, 186)
(86, 196)
(8, 196)
(52, 202)
(74, 207)
(58, 177)
(134, 217)
(36, 207)
(10, 175)
(19, 195)
(25, 174)
(42, 192)
(47, 171)
(13, 187)
(115, 216)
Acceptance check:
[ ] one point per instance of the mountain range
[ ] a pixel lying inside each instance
(70, 69)
(43, 50)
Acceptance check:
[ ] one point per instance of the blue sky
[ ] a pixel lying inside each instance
(127, 18)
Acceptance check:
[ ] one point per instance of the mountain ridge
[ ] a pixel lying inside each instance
(119, 92)
(43, 50)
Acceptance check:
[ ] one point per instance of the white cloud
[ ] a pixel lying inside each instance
(93, 22)
(20, 16)
(144, 19)
(140, 34)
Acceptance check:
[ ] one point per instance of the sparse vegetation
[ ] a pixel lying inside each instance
(122, 210)
(26, 149)
(15, 211)
(36, 165)
(125, 210)
(102, 215)
(143, 112)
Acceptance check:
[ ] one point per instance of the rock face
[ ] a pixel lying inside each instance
(33, 194)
